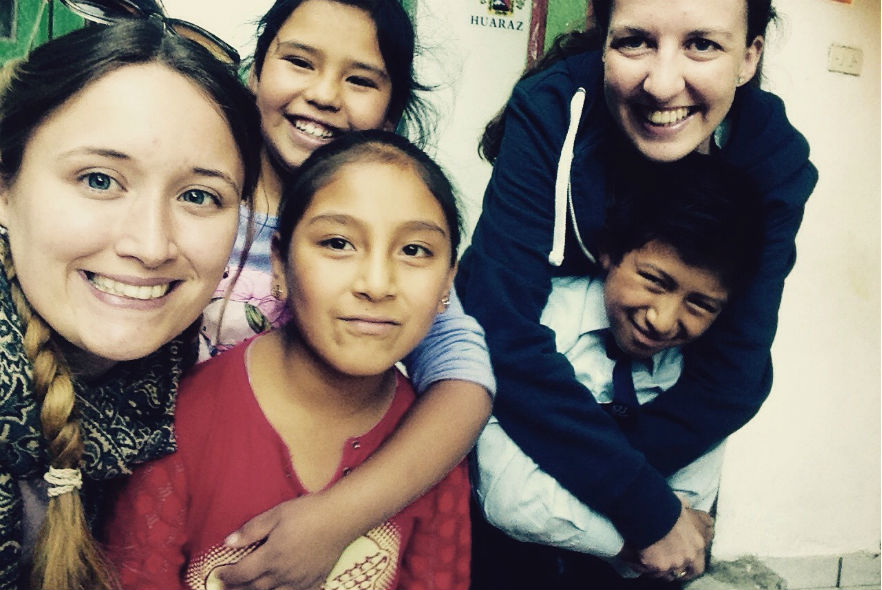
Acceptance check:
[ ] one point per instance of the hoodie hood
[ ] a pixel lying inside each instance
(758, 140)
(764, 145)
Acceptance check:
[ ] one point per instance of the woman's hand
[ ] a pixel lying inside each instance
(303, 542)
(681, 554)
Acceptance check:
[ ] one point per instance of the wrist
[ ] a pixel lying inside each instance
(349, 506)
(645, 511)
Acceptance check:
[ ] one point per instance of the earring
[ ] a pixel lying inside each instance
(277, 291)
(740, 80)
(445, 301)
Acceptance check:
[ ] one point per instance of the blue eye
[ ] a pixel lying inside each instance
(99, 181)
(99, 185)
(198, 197)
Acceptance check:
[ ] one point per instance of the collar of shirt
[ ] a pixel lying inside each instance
(583, 342)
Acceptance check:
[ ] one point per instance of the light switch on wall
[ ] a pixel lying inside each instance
(846, 60)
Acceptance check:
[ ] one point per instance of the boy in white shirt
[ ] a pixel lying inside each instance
(678, 242)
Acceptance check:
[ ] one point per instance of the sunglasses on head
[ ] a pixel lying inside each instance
(110, 11)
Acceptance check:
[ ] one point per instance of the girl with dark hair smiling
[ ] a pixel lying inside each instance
(323, 69)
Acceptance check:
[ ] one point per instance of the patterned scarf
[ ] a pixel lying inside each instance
(126, 418)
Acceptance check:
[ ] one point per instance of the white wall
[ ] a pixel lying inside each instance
(234, 21)
(475, 66)
(803, 478)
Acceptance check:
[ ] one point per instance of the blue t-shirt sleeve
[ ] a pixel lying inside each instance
(454, 348)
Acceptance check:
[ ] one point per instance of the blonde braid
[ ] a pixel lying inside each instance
(66, 555)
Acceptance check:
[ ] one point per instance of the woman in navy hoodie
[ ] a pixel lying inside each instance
(667, 78)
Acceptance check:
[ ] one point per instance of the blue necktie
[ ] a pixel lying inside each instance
(624, 406)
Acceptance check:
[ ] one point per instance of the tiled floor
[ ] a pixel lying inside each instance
(848, 572)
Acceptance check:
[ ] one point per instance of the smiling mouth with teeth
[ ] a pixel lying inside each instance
(668, 116)
(314, 129)
(140, 292)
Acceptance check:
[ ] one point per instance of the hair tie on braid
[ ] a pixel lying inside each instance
(63, 481)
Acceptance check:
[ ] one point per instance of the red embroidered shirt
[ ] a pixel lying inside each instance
(169, 524)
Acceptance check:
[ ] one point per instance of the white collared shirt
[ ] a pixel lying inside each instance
(583, 342)
(530, 505)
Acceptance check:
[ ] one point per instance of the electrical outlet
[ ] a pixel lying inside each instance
(846, 60)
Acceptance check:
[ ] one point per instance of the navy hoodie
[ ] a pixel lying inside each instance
(542, 210)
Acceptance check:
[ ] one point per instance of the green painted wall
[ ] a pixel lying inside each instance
(31, 25)
(564, 15)
(410, 7)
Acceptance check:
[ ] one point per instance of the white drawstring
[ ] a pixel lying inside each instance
(562, 182)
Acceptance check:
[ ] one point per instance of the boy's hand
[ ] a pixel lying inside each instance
(680, 555)
(301, 547)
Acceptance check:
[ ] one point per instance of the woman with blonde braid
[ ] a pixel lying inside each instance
(125, 152)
